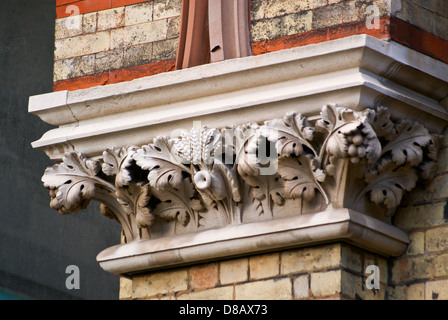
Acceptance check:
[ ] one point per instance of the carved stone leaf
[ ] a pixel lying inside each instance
(373, 145)
(73, 196)
(337, 144)
(381, 122)
(228, 176)
(388, 186)
(134, 199)
(164, 169)
(112, 160)
(328, 119)
(406, 146)
(300, 181)
(246, 155)
(116, 162)
(428, 170)
(337, 123)
(72, 182)
(429, 167)
(144, 216)
(178, 204)
(289, 134)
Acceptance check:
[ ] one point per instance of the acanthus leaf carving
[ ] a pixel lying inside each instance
(387, 185)
(290, 134)
(407, 143)
(72, 183)
(164, 169)
(179, 204)
(208, 178)
(301, 177)
(116, 162)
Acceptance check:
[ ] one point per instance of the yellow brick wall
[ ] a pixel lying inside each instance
(116, 38)
(333, 271)
(422, 272)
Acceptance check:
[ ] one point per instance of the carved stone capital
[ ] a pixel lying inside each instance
(332, 173)
(209, 178)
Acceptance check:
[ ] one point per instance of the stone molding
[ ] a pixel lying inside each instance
(355, 72)
(211, 178)
(257, 237)
(332, 173)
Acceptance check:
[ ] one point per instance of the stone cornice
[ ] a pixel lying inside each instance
(356, 71)
(257, 237)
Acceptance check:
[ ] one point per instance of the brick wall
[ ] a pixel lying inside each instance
(418, 24)
(428, 15)
(114, 41)
(423, 271)
(334, 271)
(277, 25)
(120, 40)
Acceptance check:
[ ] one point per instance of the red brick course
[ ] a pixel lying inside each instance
(87, 6)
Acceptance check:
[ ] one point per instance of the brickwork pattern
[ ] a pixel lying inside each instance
(101, 42)
(274, 19)
(428, 15)
(423, 271)
(334, 271)
(108, 41)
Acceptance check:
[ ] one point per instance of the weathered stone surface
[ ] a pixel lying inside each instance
(125, 289)
(417, 245)
(138, 34)
(275, 289)
(301, 287)
(82, 45)
(310, 259)
(173, 28)
(233, 271)
(436, 290)
(326, 283)
(205, 276)
(111, 19)
(74, 67)
(139, 13)
(416, 292)
(164, 50)
(159, 283)
(437, 239)
(166, 8)
(89, 22)
(221, 293)
(140, 54)
(109, 60)
(265, 266)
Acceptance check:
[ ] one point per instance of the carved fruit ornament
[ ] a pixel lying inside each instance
(209, 178)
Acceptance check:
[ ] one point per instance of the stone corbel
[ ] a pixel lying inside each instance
(361, 161)
(316, 175)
